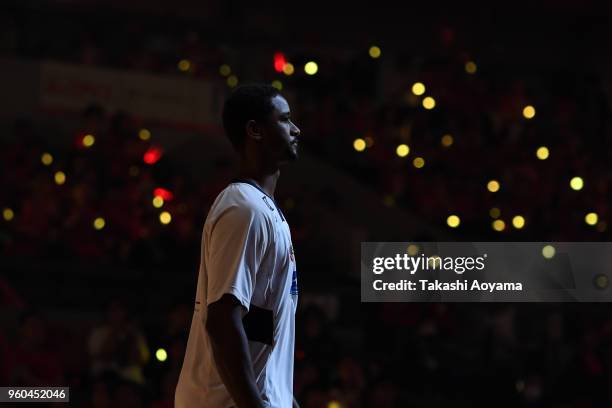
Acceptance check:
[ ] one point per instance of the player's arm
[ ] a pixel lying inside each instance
(231, 351)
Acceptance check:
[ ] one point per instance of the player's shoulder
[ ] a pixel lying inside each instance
(243, 199)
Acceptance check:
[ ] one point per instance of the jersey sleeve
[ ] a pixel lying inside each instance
(237, 244)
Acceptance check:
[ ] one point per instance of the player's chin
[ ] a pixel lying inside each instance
(288, 158)
(292, 152)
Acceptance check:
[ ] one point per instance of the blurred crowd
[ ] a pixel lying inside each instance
(478, 103)
(100, 210)
(55, 218)
(97, 194)
(378, 355)
(477, 132)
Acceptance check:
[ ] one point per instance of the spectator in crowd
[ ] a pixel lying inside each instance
(118, 346)
(32, 358)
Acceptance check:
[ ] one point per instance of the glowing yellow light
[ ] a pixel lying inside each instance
(88, 140)
(499, 225)
(453, 221)
(413, 249)
(144, 134)
(225, 70)
(277, 84)
(429, 102)
(99, 223)
(548, 251)
(311, 68)
(529, 112)
(389, 201)
(493, 186)
(158, 202)
(184, 65)
(470, 67)
(602, 281)
(369, 141)
(542, 153)
(161, 354)
(359, 144)
(518, 221)
(374, 51)
(494, 212)
(576, 183)
(232, 81)
(8, 214)
(288, 69)
(46, 159)
(418, 162)
(60, 177)
(418, 88)
(447, 140)
(435, 261)
(402, 150)
(591, 218)
(165, 217)
(334, 404)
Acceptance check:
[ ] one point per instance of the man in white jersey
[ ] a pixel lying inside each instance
(241, 342)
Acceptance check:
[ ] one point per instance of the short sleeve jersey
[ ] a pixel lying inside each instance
(246, 252)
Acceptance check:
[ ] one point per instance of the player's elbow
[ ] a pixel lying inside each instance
(214, 326)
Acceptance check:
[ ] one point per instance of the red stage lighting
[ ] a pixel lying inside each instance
(279, 61)
(163, 193)
(152, 155)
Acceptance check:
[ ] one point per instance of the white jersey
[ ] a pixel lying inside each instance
(246, 252)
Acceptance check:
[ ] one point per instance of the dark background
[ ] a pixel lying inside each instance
(90, 309)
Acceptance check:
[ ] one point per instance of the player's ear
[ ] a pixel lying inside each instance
(253, 130)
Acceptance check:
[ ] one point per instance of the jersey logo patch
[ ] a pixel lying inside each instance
(265, 200)
(294, 285)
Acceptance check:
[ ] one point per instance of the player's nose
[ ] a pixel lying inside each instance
(295, 131)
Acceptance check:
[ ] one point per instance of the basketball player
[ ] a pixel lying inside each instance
(241, 342)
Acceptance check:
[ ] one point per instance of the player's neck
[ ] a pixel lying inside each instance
(266, 179)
